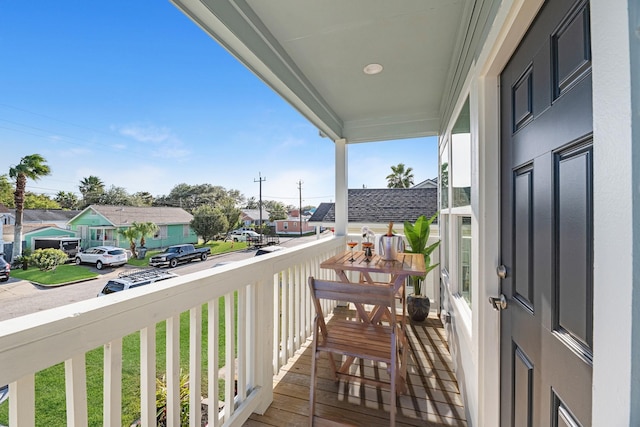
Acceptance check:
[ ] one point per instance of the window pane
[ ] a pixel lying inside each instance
(444, 245)
(464, 257)
(444, 176)
(461, 159)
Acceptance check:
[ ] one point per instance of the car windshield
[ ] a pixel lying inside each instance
(172, 250)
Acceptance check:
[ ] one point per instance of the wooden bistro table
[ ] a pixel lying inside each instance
(403, 266)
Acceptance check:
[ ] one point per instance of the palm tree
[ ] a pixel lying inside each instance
(91, 188)
(400, 178)
(32, 167)
(131, 234)
(145, 229)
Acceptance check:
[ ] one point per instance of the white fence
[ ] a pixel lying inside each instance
(267, 296)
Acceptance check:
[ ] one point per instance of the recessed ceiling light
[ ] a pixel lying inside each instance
(372, 69)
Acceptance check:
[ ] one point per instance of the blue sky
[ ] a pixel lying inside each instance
(136, 94)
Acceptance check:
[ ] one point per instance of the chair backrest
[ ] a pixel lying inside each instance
(382, 295)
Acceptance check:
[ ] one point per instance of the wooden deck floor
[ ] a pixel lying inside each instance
(433, 398)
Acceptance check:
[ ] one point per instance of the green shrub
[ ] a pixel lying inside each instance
(48, 259)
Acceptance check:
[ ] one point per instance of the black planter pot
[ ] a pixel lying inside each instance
(418, 307)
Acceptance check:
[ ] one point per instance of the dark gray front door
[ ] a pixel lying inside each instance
(547, 222)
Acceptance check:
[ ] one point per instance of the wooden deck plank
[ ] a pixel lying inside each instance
(433, 397)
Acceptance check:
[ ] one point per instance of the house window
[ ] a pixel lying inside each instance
(185, 230)
(161, 233)
(464, 257)
(286, 225)
(455, 207)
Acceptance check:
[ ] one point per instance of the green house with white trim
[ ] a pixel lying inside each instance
(100, 225)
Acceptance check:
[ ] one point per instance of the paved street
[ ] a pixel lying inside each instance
(19, 297)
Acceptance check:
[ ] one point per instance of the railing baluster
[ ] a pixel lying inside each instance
(242, 344)
(290, 309)
(76, 387)
(213, 360)
(173, 371)
(22, 402)
(195, 366)
(112, 387)
(278, 320)
(148, 375)
(229, 369)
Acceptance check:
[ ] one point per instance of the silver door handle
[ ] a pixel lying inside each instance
(498, 303)
(501, 271)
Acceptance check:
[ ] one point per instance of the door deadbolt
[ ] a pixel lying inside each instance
(501, 271)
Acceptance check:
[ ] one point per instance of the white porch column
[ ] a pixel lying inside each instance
(341, 207)
(616, 310)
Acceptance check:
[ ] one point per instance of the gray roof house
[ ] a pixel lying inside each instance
(370, 206)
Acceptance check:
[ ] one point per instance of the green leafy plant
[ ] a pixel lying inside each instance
(417, 235)
(48, 259)
(161, 400)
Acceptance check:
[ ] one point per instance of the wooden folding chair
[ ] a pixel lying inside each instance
(356, 338)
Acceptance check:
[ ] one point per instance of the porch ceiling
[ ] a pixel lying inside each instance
(313, 54)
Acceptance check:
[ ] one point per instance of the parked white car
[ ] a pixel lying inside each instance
(102, 256)
(135, 279)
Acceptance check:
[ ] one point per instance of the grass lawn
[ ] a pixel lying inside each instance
(50, 390)
(217, 247)
(62, 274)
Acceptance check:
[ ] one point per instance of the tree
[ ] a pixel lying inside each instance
(6, 192)
(252, 203)
(32, 167)
(67, 200)
(39, 201)
(131, 234)
(115, 196)
(91, 188)
(144, 229)
(277, 210)
(208, 221)
(400, 177)
(143, 198)
(232, 213)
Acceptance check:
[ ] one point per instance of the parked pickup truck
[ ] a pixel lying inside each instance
(178, 254)
(243, 235)
(263, 240)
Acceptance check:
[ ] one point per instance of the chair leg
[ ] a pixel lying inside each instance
(394, 373)
(312, 383)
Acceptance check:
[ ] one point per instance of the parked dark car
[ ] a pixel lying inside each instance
(179, 254)
(5, 269)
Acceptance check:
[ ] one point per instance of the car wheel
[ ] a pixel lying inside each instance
(235, 239)
(99, 265)
(78, 261)
(173, 263)
(203, 257)
(4, 279)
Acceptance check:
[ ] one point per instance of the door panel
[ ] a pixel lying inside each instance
(546, 222)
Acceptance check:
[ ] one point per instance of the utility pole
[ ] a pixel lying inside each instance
(300, 208)
(260, 180)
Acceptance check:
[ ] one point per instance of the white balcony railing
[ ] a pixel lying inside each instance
(274, 317)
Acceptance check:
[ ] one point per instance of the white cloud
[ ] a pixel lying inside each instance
(165, 144)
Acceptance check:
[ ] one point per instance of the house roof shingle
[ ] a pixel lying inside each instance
(381, 205)
(160, 215)
(46, 215)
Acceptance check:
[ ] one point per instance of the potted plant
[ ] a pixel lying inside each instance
(417, 235)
